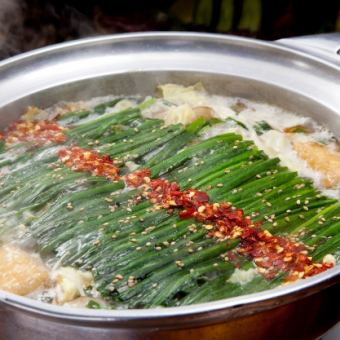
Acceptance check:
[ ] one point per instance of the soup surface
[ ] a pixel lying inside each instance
(180, 198)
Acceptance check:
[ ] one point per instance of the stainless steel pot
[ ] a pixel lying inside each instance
(302, 75)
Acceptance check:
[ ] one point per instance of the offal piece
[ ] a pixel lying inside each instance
(322, 159)
(20, 272)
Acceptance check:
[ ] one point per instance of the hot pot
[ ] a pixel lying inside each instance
(301, 75)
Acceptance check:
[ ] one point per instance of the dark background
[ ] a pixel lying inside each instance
(29, 24)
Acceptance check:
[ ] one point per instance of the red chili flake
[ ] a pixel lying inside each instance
(165, 193)
(137, 178)
(233, 258)
(84, 160)
(187, 213)
(37, 132)
(194, 198)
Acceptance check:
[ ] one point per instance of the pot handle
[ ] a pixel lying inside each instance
(325, 45)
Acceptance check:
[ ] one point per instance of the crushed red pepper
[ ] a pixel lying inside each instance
(37, 132)
(137, 178)
(271, 254)
(79, 159)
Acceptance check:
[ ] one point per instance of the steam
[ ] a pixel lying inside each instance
(28, 25)
(11, 23)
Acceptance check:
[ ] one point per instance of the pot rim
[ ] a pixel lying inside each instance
(230, 305)
(279, 45)
(296, 290)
